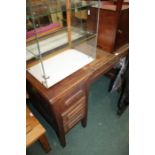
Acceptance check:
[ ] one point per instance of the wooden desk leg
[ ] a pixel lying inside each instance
(44, 143)
(62, 140)
(84, 122)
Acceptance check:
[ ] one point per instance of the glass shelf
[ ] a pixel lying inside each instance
(45, 10)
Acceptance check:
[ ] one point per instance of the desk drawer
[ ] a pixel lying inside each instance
(69, 100)
(73, 98)
(73, 114)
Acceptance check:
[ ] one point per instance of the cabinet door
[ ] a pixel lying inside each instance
(123, 29)
(107, 30)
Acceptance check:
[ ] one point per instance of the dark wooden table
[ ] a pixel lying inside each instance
(65, 104)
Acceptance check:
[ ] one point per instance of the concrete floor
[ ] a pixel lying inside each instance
(105, 134)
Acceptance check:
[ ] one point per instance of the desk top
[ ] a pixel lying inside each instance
(104, 61)
(33, 128)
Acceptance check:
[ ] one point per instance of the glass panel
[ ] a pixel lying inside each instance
(84, 23)
(61, 37)
(49, 28)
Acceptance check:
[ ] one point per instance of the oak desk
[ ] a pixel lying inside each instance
(65, 104)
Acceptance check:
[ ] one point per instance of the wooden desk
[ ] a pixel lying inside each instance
(35, 131)
(65, 104)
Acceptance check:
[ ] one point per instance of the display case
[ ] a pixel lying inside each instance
(60, 38)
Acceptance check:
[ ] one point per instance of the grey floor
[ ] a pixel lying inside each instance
(105, 134)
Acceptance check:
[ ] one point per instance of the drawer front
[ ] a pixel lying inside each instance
(72, 99)
(69, 100)
(107, 30)
(123, 29)
(74, 114)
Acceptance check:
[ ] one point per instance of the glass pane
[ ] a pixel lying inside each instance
(61, 38)
(84, 26)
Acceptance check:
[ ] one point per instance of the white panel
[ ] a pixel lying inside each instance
(61, 66)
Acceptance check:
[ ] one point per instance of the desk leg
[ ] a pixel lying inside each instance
(44, 143)
(62, 139)
(84, 122)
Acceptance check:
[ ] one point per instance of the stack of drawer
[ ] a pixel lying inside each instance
(74, 114)
(64, 110)
(73, 109)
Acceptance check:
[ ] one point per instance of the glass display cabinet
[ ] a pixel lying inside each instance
(61, 37)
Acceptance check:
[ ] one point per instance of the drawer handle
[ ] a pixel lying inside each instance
(74, 97)
(120, 31)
